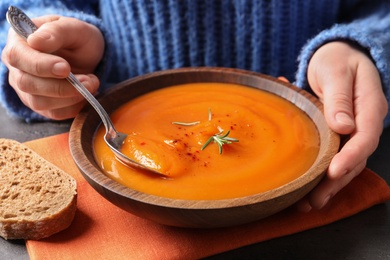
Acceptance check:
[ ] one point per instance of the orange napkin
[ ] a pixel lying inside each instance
(100, 230)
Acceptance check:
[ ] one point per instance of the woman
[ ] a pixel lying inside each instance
(342, 47)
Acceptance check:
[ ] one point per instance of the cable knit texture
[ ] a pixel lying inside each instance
(264, 36)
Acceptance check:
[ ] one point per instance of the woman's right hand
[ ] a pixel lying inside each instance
(38, 67)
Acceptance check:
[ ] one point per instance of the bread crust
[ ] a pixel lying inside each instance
(37, 198)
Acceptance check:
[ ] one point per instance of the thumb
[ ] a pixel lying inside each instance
(337, 96)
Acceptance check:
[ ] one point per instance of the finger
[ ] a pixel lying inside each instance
(62, 37)
(358, 148)
(39, 21)
(41, 103)
(370, 110)
(50, 87)
(328, 188)
(283, 79)
(304, 205)
(65, 112)
(337, 95)
(44, 102)
(18, 54)
(63, 32)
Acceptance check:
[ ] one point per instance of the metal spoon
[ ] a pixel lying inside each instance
(23, 25)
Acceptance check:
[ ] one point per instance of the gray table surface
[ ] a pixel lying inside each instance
(365, 235)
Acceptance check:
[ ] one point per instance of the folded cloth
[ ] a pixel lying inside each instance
(101, 230)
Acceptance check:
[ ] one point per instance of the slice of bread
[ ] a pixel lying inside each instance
(37, 199)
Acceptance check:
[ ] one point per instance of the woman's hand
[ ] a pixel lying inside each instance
(38, 67)
(349, 85)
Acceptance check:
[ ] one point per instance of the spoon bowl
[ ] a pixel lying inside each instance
(24, 26)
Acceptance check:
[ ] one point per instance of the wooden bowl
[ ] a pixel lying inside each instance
(199, 213)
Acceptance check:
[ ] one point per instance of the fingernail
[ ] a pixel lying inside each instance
(42, 35)
(60, 69)
(345, 119)
(305, 207)
(326, 200)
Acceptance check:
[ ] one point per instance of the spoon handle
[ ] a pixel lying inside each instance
(24, 26)
(94, 103)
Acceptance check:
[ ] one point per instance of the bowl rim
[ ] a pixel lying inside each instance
(98, 177)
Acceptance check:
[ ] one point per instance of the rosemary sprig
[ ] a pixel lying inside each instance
(220, 139)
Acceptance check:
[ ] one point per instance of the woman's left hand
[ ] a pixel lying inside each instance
(348, 83)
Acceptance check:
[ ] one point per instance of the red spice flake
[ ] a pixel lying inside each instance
(193, 156)
(142, 143)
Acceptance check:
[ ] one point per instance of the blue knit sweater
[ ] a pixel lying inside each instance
(275, 37)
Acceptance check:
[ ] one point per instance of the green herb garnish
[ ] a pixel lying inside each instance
(220, 139)
(186, 124)
(210, 114)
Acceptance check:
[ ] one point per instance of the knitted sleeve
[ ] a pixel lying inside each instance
(83, 10)
(371, 31)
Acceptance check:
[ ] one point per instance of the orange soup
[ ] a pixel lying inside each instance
(267, 142)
